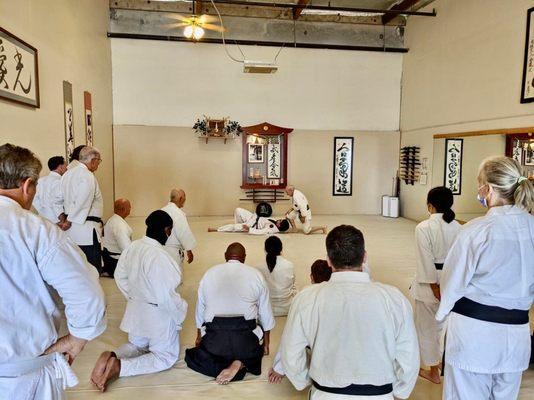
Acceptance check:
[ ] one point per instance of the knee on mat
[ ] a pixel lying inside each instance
(166, 360)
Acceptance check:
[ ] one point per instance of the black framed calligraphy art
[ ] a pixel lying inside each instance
(19, 72)
(453, 165)
(343, 159)
(527, 85)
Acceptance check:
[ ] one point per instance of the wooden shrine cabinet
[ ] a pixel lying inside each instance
(520, 146)
(264, 174)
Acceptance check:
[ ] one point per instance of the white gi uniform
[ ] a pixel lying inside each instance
(148, 277)
(301, 208)
(281, 282)
(181, 239)
(82, 198)
(491, 263)
(231, 289)
(359, 332)
(48, 200)
(117, 235)
(433, 239)
(264, 226)
(73, 164)
(38, 261)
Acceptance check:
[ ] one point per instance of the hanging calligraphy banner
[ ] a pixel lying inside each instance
(343, 157)
(453, 165)
(19, 76)
(273, 161)
(527, 87)
(88, 119)
(69, 120)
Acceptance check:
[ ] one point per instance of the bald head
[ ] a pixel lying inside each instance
(178, 197)
(235, 251)
(289, 190)
(122, 207)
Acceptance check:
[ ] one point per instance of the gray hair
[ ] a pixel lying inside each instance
(507, 178)
(88, 153)
(16, 165)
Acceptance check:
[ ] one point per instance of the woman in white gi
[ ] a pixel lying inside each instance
(246, 221)
(433, 239)
(280, 276)
(487, 287)
(147, 275)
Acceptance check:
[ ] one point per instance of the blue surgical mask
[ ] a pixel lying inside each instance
(482, 200)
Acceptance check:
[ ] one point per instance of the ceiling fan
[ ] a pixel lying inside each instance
(195, 25)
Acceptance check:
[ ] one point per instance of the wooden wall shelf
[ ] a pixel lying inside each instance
(225, 138)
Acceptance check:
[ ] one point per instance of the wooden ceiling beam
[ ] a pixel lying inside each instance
(298, 11)
(404, 5)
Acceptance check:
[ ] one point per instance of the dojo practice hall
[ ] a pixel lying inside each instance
(283, 199)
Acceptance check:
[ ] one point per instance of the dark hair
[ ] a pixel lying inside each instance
(320, 271)
(284, 225)
(55, 162)
(345, 247)
(156, 223)
(16, 165)
(76, 153)
(442, 199)
(273, 248)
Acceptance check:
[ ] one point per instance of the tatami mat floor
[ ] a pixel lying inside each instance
(390, 245)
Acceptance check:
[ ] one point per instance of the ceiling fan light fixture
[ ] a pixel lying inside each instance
(188, 31)
(198, 32)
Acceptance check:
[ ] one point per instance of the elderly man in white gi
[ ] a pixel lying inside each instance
(37, 259)
(181, 239)
(300, 210)
(48, 200)
(117, 236)
(84, 206)
(361, 333)
(233, 316)
(487, 289)
(148, 277)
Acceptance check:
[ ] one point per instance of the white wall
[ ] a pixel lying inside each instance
(463, 73)
(172, 84)
(71, 38)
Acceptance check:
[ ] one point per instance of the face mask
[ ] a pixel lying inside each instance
(482, 200)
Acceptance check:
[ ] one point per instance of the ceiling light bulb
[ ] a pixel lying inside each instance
(198, 32)
(188, 31)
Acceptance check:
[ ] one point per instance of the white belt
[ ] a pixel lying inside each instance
(62, 367)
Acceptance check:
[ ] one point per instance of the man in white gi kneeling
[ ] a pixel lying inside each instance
(147, 275)
(36, 259)
(361, 333)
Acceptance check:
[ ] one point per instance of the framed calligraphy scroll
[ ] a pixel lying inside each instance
(527, 86)
(89, 134)
(273, 161)
(69, 120)
(19, 72)
(343, 157)
(453, 165)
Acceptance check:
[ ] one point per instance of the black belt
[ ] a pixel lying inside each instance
(110, 253)
(238, 323)
(439, 266)
(95, 219)
(357, 390)
(482, 312)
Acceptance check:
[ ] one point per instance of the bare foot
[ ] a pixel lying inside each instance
(432, 375)
(228, 374)
(100, 367)
(112, 372)
(275, 377)
(324, 230)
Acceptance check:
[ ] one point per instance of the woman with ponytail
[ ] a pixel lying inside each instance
(434, 237)
(487, 289)
(280, 276)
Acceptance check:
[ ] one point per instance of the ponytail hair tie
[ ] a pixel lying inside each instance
(521, 179)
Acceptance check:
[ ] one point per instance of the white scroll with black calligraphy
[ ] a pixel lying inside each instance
(527, 87)
(453, 165)
(273, 161)
(89, 134)
(343, 159)
(19, 74)
(68, 118)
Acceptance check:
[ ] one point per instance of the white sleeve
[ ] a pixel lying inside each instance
(201, 305)
(407, 361)
(426, 270)
(121, 274)
(293, 348)
(57, 198)
(458, 269)
(84, 196)
(265, 310)
(165, 279)
(277, 363)
(184, 234)
(265, 231)
(64, 268)
(121, 236)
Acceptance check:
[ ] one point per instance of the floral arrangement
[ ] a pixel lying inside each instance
(230, 128)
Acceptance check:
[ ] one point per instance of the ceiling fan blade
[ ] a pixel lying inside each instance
(180, 18)
(204, 18)
(214, 27)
